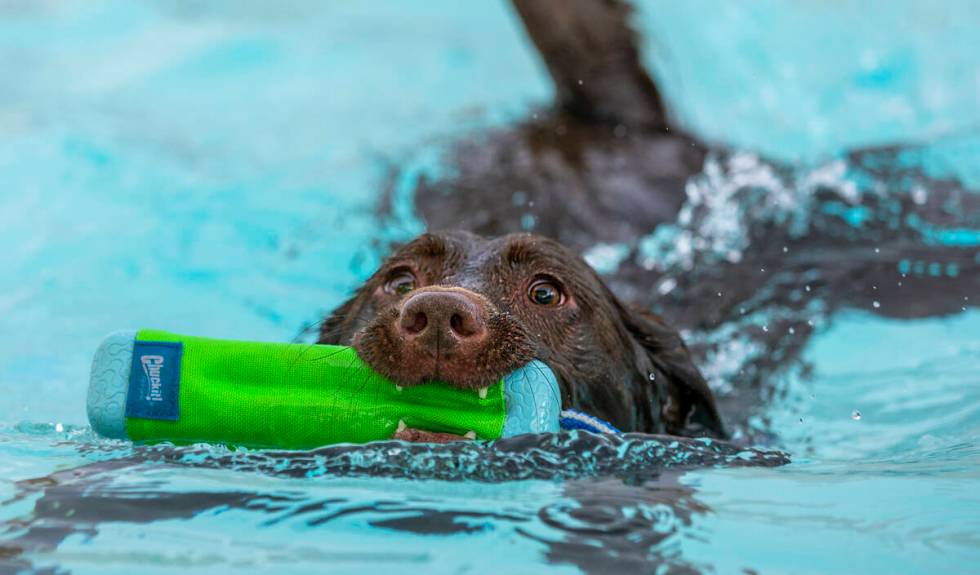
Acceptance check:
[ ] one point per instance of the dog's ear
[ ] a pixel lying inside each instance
(690, 405)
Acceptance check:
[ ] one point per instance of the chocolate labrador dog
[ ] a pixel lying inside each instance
(607, 165)
(757, 255)
(467, 310)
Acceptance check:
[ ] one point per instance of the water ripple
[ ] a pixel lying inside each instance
(545, 456)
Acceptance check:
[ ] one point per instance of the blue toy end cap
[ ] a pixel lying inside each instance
(109, 383)
(533, 400)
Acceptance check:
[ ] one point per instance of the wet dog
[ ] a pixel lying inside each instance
(467, 310)
(605, 165)
(746, 255)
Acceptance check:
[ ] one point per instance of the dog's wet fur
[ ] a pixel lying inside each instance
(606, 165)
(472, 309)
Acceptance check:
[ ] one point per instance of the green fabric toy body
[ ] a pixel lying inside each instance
(155, 386)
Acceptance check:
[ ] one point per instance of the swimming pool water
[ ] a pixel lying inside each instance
(214, 169)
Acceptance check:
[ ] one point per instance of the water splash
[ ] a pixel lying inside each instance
(740, 199)
(571, 455)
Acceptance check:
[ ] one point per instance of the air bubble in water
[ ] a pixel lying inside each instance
(856, 415)
(876, 304)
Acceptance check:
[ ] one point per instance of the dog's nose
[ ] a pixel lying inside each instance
(442, 319)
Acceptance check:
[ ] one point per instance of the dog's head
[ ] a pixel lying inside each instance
(467, 310)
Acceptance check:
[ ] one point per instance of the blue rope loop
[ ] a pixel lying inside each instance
(573, 419)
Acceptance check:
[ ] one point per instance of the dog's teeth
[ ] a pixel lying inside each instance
(483, 392)
(398, 388)
(470, 434)
(401, 426)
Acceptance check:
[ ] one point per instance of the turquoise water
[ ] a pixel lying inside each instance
(214, 169)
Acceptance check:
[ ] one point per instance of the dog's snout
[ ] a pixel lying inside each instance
(442, 319)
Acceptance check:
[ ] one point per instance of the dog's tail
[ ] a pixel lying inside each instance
(591, 52)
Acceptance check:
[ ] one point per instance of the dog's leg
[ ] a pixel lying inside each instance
(591, 53)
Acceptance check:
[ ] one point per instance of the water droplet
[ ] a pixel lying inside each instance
(876, 304)
(856, 415)
(763, 270)
(765, 328)
(59, 427)
(527, 222)
(785, 249)
(919, 196)
(792, 330)
(719, 294)
(801, 420)
(877, 251)
(741, 310)
(807, 288)
(652, 376)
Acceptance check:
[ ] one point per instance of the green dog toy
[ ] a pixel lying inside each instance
(153, 386)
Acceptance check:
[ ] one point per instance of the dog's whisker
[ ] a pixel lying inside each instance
(307, 329)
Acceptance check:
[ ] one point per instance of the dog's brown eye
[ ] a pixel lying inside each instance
(544, 292)
(400, 283)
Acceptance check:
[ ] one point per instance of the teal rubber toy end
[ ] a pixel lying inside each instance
(109, 384)
(533, 400)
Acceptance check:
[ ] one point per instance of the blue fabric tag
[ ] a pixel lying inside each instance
(154, 381)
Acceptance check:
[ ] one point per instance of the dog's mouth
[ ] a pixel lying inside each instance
(411, 434)
(526, 401)
(443, 334)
